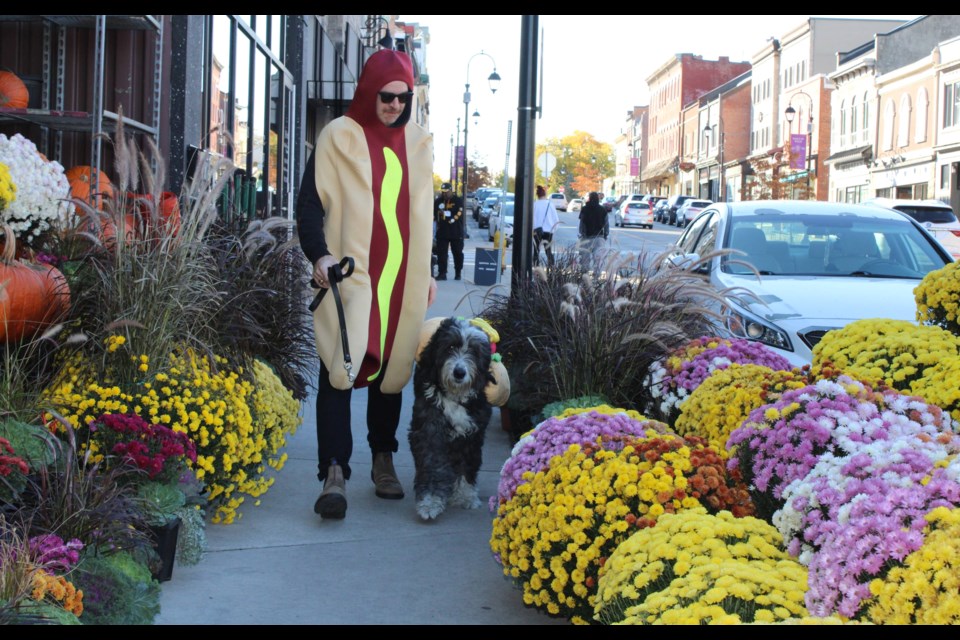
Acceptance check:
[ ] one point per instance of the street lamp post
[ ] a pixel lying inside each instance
(494, 80)
(708, 132)
(790, 113)
(455, 178)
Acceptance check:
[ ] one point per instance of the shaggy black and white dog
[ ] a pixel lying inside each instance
(450, 416)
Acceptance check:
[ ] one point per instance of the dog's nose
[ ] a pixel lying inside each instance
(459, 372)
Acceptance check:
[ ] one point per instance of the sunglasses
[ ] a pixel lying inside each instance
(386, 97)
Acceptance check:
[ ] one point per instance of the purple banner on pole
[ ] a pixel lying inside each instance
(634, 167)
(798, 151)
(460, 155)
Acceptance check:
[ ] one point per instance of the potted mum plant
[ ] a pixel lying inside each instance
(161, 455)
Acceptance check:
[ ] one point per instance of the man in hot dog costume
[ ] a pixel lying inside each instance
(367, 193)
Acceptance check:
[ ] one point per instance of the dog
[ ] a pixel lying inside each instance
(450, 416)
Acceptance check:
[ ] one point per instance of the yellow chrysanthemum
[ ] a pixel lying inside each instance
(697, 568)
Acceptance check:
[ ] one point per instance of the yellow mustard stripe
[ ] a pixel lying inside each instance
(389, 194)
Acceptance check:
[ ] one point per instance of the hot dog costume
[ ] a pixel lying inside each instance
(375, 190)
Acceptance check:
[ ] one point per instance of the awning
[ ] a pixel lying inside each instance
(659, 169)
(847, 155)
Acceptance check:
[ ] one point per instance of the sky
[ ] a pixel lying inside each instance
(594, 71)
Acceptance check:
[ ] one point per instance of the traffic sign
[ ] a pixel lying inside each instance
(546, 163)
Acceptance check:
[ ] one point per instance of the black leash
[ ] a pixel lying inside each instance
(336, 274)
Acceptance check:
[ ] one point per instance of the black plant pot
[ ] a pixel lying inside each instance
(165, 544)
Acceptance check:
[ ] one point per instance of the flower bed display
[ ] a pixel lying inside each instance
(554, 534)
(214, 406)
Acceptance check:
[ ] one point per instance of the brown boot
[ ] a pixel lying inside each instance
(332, 502)
(385, 477)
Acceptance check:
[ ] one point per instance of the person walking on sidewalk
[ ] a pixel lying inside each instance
(448, 209)
(545, 220)
(366, 194)
(593, 222)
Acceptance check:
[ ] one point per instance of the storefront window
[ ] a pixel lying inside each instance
(250, 97)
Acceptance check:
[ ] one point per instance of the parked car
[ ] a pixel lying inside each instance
(821, 265)
(690, 210)
(652, 199)
(505, 213)
(559, 201)
(637, 214)
(659, 211)
(938, 218)
(470, 202)
(575, 205)
(618, 215)
(490, 206)
(609, 202)
(673, 204)
(482, 194)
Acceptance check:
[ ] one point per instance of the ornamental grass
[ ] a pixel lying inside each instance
(723, 401)
(938, 298)
(672, 379)
(694, 567)
(556, 532)
(925, 588)
(572, 331)
(892, 353)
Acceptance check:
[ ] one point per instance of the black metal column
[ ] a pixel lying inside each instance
(526, 143)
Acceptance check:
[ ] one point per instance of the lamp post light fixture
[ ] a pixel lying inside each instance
(494, 81)
(708, 132)
(790, 113)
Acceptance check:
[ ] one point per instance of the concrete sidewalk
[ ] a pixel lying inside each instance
(281, 564)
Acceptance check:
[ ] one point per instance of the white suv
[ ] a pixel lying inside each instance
(559, 201)
(936, 217)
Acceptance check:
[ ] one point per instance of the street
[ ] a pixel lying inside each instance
(630, 239)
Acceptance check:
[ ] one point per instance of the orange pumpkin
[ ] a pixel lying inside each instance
(167, 212)
(13, 93)
(81, 181)
(106, 230)
(32, 295)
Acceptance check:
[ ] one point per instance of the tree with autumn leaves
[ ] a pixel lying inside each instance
(582, 163)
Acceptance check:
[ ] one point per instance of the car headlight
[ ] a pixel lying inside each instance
(743, 324)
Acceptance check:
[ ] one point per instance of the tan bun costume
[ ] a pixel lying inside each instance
(377, 215)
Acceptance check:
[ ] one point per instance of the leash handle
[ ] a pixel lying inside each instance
(335, 274)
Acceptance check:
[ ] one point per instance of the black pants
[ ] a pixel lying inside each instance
(334, 437)
(539, 238)
(456, 246)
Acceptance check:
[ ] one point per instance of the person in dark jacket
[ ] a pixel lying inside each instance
(593, 223)
(448, 212)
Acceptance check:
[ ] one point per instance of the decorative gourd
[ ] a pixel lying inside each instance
(32, 295)
(81, 181)
(13, 93)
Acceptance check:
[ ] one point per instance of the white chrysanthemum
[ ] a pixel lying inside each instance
(42, 189)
